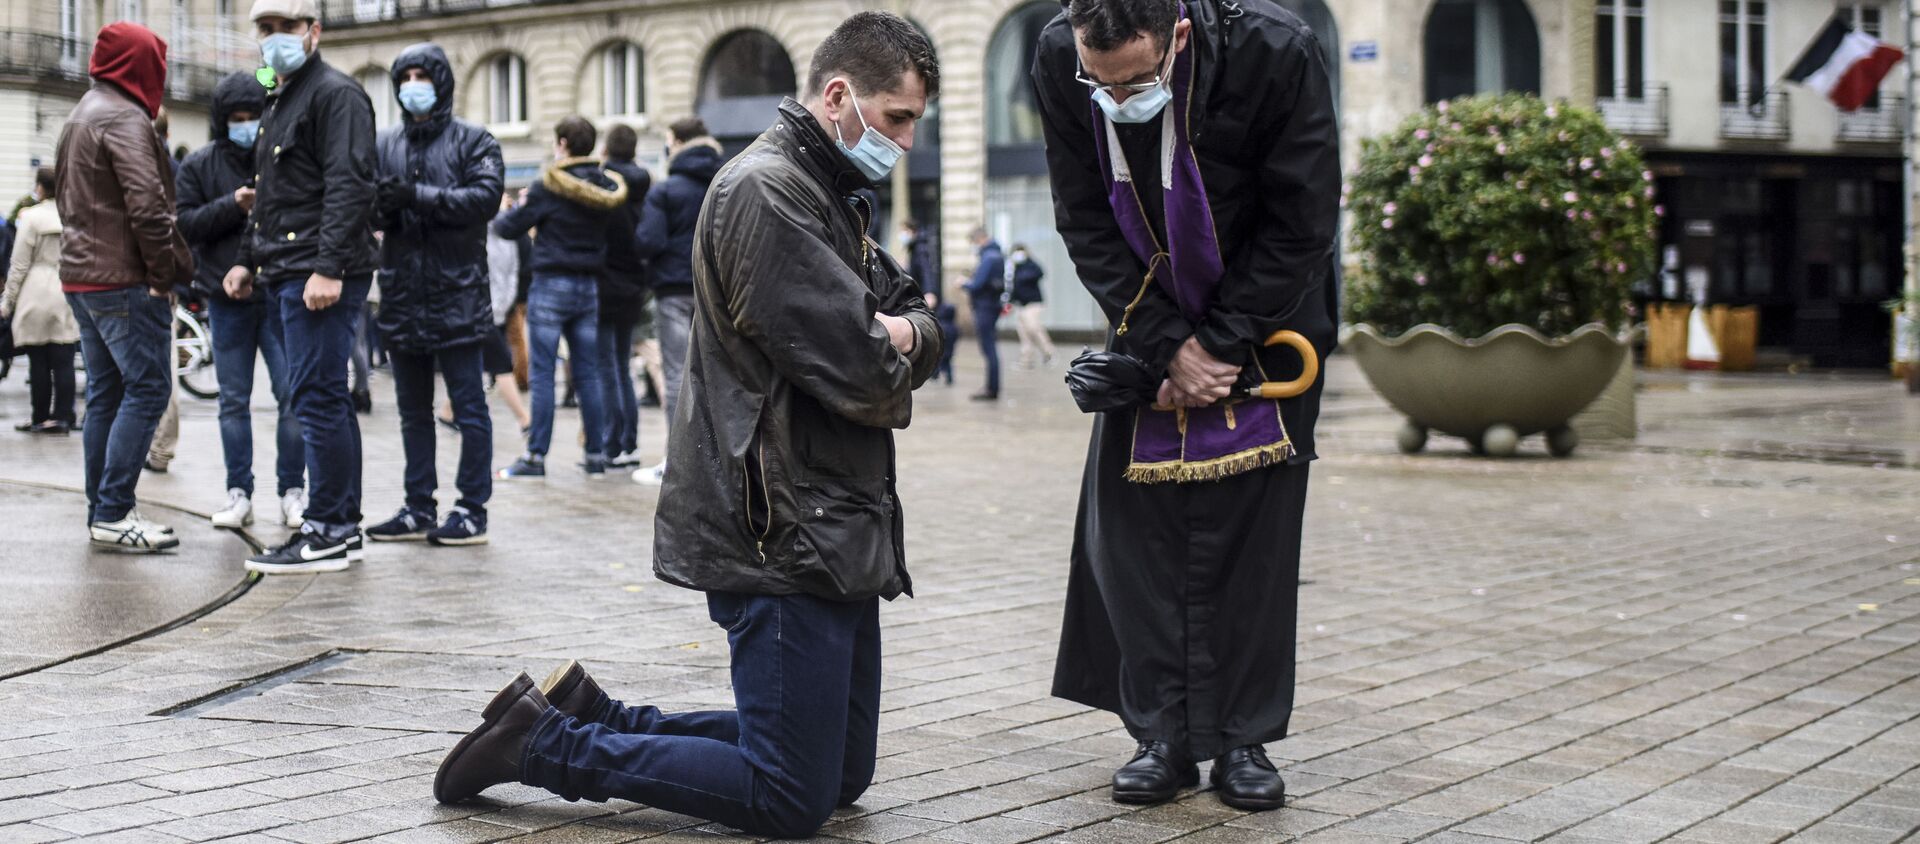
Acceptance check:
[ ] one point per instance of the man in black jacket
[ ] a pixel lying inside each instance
(439, 185)
(311, 249)
(573, 206)
(665, 241)
(781, 503)
(623, 302)
(1194, 157)
(215, 186)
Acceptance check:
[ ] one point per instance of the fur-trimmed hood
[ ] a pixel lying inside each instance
(580, 188)
(700, 159)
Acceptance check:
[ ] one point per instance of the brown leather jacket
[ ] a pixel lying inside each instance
(116, 199)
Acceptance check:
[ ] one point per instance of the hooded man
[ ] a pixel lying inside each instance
(781, 504)
(623, 303)
(664, 239)
(574, 206)
(310, 247)
(216, 195)
(439, 185)
(120, 257)
(1186, 558)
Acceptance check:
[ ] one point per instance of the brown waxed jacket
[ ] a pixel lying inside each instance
(116, 199)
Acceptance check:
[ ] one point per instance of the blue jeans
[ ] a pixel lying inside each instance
(622, 407)
(413, 398)
(806, 687)
(318, 343)
(242, 330)
(126, 338)
(986, 321)
(569, 306)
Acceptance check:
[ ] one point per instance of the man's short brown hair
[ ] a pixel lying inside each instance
(872, 50)
(579, 134)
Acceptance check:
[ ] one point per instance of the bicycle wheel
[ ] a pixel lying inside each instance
(193, 355)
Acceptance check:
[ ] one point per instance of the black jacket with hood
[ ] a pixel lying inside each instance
(573, 206)
(623, 290)
(209, 218)
(314, 174)
(665, 234)
(783, 478)
(445, 177)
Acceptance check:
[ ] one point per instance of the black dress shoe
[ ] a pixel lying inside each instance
(1247, 780)
(571, 691)
(490, 755)
(1155, 775)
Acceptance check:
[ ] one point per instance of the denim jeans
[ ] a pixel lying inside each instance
(622, 406)
(673, 324)
(986, 321)
(413, 398)
(318, 344)
(806, 687)
(569, 306)
(364, 338)
(126, 340)
(242, 330)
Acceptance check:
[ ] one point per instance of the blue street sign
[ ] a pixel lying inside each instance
(1364, 51)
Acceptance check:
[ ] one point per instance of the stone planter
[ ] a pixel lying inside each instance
(1492, 391)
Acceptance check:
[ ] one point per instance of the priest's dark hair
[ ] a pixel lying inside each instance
(872, 50)
(1104, 25)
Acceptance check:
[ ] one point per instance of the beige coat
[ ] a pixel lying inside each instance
(33, 298)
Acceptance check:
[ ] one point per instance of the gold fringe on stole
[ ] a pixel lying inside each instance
(1185, 471)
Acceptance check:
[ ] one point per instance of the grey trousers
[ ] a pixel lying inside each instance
(673, 324)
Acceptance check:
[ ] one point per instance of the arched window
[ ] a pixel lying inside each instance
(1012, 115)
(386, 109)
(1481, 46)
(506, 90)
(622, 80)
(741, 83)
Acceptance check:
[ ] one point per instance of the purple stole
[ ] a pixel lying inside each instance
(1230, 437)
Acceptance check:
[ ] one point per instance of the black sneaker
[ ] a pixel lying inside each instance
(408, 525)
(526, 467)
(460, 528)
(595, 466)
(305, 553)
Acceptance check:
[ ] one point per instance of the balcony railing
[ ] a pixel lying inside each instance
(1644, 116)
(341, 14)
(1762, 121)
(1877, 125)
(42, 56)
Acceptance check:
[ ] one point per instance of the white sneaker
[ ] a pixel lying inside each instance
(293, 507)
(624, 459)
(150, 525)
(239, 512)
(650, 475)
(130, 535)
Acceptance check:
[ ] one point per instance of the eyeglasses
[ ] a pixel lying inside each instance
(1166, 67)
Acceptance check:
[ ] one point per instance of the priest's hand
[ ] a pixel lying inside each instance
(1172, 396)
(1201, 376)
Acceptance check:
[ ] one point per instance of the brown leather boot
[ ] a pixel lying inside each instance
(570, 690)
(491, 755)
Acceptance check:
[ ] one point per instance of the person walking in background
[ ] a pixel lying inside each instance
(120, 258)
(311, 249)
(623, 303)
(922, 261)
(1029, 312)
(948, 317)
(665, 241)
(573, 206)
(496, 353)
(43, 324)
(985, 292)
(166, 436)
(216, 195)
(440, 180)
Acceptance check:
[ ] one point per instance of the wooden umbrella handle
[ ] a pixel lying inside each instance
(1309, 373)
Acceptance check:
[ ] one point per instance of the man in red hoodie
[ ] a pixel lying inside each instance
(120, 256)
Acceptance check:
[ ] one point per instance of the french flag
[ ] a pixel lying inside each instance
(1844, 65)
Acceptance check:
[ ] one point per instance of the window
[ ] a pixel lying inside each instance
(1865, 17)
(507, 90)
(1743, 50)
(1480, 47)
(621, 77)
(1012, 115)
(1619, 49)
(69, 30)
(133, 10)
(386, 108)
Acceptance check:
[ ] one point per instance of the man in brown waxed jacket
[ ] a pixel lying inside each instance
(120, 256)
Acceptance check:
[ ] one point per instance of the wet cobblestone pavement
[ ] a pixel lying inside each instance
(1710, 635)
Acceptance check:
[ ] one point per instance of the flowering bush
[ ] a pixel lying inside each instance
(1499, 209)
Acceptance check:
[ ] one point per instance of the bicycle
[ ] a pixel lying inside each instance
(193, 350)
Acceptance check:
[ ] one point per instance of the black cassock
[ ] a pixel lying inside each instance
(1181, 602)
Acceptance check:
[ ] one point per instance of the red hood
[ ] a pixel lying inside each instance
(134, 59)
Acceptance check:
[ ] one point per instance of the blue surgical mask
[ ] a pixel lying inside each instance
(875, 154)
(417, 97)
(1138, 108)
(285, 52)
(243, 134)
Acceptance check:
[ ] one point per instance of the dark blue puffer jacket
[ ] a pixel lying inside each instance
(433, 253)
(664, 237)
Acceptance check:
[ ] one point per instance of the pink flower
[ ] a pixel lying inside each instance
(1386, 223)
(1413, 172)
(1545, 204)
(1586, 164)
(1519, 257)
(1390, 208)
(1426, 161)
(1493, 260)
(1442, 107)
(1572, 214)
(1646, 175)
(1564, 137)
(1587, 215)
(1432, 147)
(1500, 148)
(1455, 127)
(1649, 193)
(1606, 152)
(1630, 202)
(1422, 134)
(1420, 279)
(1553, 111)
(1659, 210)
(1620, 267)
(1522, 184)
(1570, 197)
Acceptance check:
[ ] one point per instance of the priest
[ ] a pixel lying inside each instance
(1194, 155)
